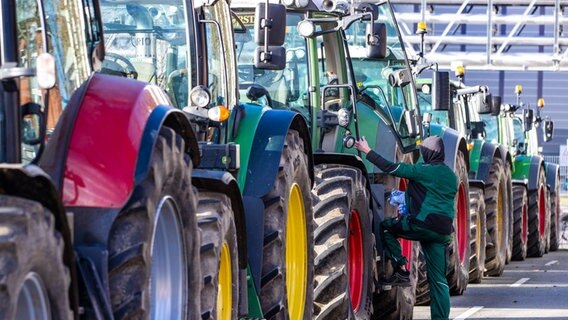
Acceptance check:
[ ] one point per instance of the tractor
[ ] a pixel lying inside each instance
(322, 80)
(98, 208)
(532, 176)
(255, 175)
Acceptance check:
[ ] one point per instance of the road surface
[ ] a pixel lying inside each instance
(535, 289)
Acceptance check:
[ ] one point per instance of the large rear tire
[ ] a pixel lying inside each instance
(154, 241)
(555, 217)
(478, 234)
(398, 302)
(497, 224)
(34, 281)
(537, 218)
(520, 225)
(458, 270)
(219, 257)
(344, 243)
(287, 276)
(509, 211)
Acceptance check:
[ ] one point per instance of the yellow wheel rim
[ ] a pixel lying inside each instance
(225, 286)
(296, 254)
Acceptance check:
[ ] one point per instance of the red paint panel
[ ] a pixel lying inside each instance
(106, 139)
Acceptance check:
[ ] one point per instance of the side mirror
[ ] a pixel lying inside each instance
(528, 119)
(548, 130)
(495, 105)
(483, 103)
(270, 30)
(441, 91)
(376, 40)
(410, 118)
(275, 24)
(274, 59)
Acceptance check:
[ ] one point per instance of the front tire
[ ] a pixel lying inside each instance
(496, 199)
(154, 240)
(219, 257)
(31, 263)
(555, 217)
(458, 273)
(478, 235)
(287, 276)
(344, 243)
(520, 226)
(537, 218)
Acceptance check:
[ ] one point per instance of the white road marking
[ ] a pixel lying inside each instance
(521, 281)
(468, 313)
(548, 264)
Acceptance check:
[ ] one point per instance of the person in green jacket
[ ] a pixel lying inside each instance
(430, 203)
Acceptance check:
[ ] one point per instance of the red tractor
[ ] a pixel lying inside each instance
(99, 220)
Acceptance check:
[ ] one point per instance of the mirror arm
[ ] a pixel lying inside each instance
(16, 72)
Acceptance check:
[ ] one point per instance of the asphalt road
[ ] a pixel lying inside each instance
(536, 288)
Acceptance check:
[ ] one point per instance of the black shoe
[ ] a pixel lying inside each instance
(399, 278)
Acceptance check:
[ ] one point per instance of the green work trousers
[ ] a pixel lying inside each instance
(434, 246)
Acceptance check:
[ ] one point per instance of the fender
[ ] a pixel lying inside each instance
(103, 142)
(552, 172)
(527, 169)
(260, 161)
(506, 156)
(453, 142)
(224, 182)
(487, 152)
(31, 182)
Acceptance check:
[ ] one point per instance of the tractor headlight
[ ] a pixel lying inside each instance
(306, 28)
(200, 96)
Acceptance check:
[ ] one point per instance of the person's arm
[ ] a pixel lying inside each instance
(400, 169)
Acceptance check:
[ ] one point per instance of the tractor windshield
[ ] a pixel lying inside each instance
(148, 41)
(491, 127)
(288, 88)
(520, 140)
(372, 75)
(425, 101)
(63, 37)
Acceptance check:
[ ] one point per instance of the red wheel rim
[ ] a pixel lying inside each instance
(406, 245)
(462, 231)
(541, 211)
(356, 260)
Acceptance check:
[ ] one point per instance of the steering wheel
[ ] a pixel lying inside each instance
(119, 65)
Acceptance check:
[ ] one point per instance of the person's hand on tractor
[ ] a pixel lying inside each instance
(362, 145)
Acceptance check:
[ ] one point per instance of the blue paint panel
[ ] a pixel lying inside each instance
(266, 150)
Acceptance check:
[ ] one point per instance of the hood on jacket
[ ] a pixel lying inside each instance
(432, 149)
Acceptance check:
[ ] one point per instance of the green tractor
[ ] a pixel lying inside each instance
(487, 196)
(344, 94)
(256, 170)
(532, 176)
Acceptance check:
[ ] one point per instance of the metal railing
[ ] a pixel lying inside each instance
(563, 162)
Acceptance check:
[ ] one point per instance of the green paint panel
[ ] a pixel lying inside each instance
(475, 155)
(245, 136)
(369, 122)
(254, 307)
(522, 167)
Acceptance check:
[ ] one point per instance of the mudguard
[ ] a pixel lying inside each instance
(527, 168)
(30, 182)
(224, 182)
(487, 152)
(506, 156)
(552, 172)
(453, 142)
(261, 137)
(103, 142)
